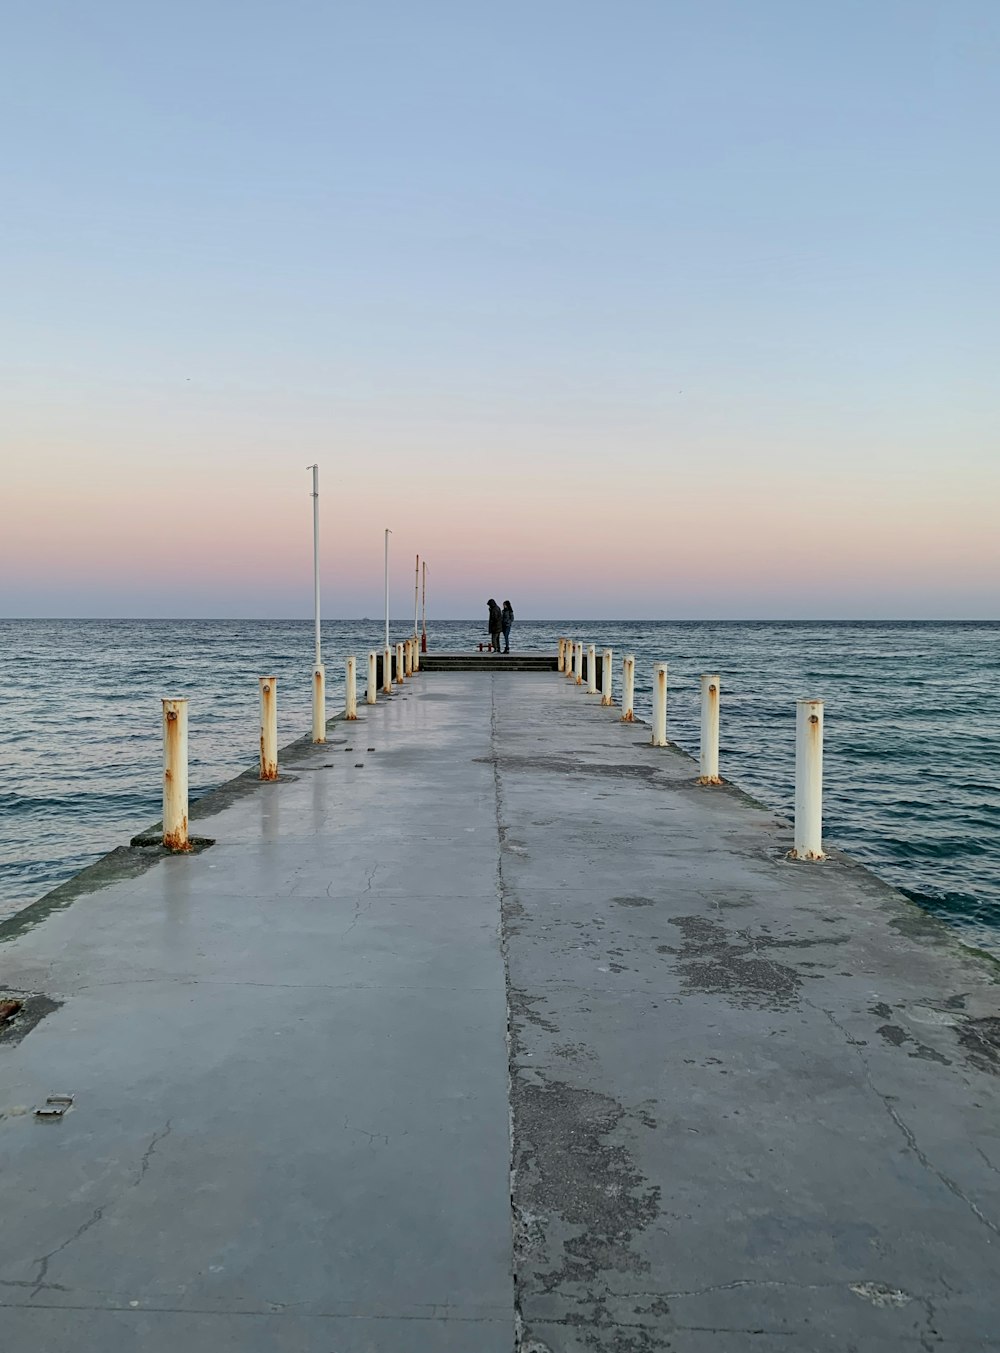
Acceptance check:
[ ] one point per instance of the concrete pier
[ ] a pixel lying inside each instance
(484, 1028)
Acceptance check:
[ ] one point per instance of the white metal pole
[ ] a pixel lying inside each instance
(408, 657)
(388, 533)
(371, 695)
(319, 703)
(659, 704)
(808, 780)
(315, 498)
(319, 672)
(708, 767)
(423, 609)
(351, 689)
(562, 656)
(175, 774)
(387, 671)
(578, 663)
(416, 596)
(607, 679)
(416, 653)
(591, 669)
(570, 660)
(628, 688)
(399, 664)
(268, 727)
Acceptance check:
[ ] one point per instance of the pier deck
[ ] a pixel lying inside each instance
(486, 1028)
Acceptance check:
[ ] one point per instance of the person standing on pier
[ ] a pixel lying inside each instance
(506, 620)
(495, 624)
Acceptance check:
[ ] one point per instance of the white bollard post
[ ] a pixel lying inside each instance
(562, 656)
(659, 738)
(708, 761)
(569, 660)
(175, 774)
(319, 703)
(387, 672)
(607, 679)
(578, 663)
(628, 688)
(371, 695)
(591, 669)
(268, 727)
(808, 780)
(400, 664)
(351, 689)
(416, 653)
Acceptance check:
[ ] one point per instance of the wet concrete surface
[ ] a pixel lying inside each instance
(752, 1104)
(288, 1061)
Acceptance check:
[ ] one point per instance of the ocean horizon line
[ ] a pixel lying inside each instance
(527, 620)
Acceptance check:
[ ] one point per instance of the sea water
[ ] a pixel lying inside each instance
(912, 734)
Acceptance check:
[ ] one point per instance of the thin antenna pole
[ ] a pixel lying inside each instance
(315, 498)
(423, 641)
(388, 533)
(416, 596)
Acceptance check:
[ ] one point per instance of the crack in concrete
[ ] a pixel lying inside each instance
(148, 1153)
(45, 1260)
(373, 1137)
(904, 1128)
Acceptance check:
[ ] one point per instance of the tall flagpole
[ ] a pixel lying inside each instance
(386, 654)
(416, 596)
(319, 673)
(315, 498)
(388, 533)
(423, 640)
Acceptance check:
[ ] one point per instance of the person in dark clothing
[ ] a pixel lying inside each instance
(506, 620)
(495, 624)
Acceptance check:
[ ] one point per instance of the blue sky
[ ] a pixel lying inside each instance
(588, 259)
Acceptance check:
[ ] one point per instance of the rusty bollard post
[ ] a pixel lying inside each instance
(607, 679)
(659, 738)
(400, 664)
(175, 774)
(562, 656)
(319, 703)
(268, 727)
(408, 657)
(708, 758)
(591, 669)
(628, 688)
(808, 781)
(578, 663)
(351, 689)
(570, 659)
(387, 672)
(416, 654)
(371, 696)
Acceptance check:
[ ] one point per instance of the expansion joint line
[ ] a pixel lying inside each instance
(498, 802)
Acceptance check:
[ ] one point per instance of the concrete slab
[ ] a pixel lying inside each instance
(290, 1125)
(753, 1104)
(750, 1103)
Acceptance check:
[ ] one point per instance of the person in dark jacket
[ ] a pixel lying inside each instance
(506, 620)
(495, 624)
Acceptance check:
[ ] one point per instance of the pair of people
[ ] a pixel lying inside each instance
(500, 620)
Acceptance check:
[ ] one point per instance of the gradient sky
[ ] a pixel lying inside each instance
(659, 308)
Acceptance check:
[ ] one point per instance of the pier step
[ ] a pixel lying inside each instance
(488, 662)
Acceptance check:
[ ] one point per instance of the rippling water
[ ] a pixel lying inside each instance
(912, 733)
